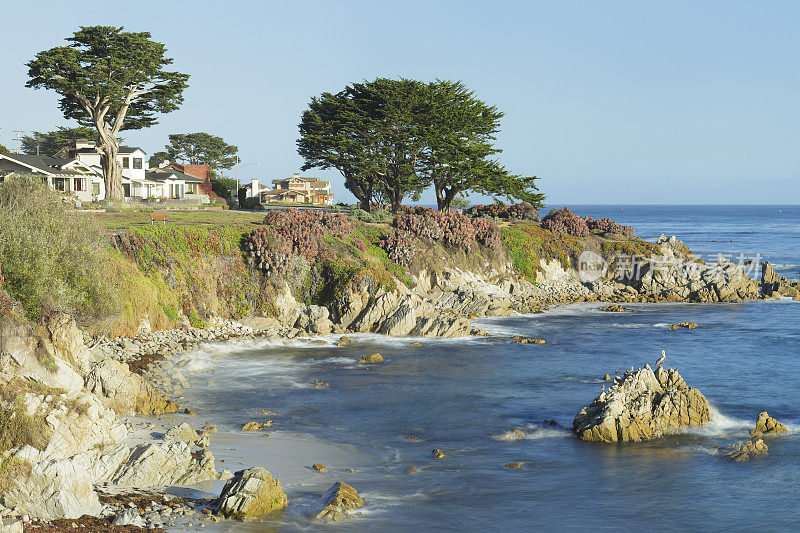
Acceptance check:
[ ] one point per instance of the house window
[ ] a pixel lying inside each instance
(137, 163)
(80, 184)
(95, 189)
(126, 162)
(61, 184)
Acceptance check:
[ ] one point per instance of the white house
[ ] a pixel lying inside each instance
(76, 170)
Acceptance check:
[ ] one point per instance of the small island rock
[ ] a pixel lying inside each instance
(339, 500)
(373, 359)
(766, 424)
(742, 452)
(642, 405)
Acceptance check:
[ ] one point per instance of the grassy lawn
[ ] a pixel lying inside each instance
(133, 219)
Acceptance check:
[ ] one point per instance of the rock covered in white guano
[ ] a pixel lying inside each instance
(642, 405)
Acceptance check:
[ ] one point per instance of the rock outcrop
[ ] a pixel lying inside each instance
(642, 405)
(766, 425)
(164, 464)
(124, 391)
(742, 452)
(676, 275)
(250, 494)
(774, 286)
(340, 499)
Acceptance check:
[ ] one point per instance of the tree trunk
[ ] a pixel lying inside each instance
(112, 172)
(444, 197)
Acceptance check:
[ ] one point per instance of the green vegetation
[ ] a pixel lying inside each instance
(528, 244)
(49, 256)
(48, 143)
(392, 139)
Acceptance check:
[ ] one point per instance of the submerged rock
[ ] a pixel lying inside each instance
(513, 466)
(256, 426)
(766, 424)
(742, 452)
(339, 500)
(373, 359)
(642, 405)
(437, 454)
(519, 339)
(250, 494)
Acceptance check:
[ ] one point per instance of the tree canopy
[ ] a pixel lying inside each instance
(48, 143)
(200, 149)
(4, 150)
(393, 138)
(112, 80)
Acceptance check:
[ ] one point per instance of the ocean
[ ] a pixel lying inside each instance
(463, 396)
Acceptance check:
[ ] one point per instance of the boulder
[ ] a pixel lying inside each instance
(642, 405)
(318, 467)
(345, 341)
(513, 466)
(684, 325)
(614, 308)
(437, 454)
(742, 452)
(340, 499)
(11, 526)
(766, 425)
(165, 463)
(773, 285)
(182, 433)
(250, 494)
(256, 426)
(373, 359)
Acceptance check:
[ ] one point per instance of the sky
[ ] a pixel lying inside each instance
(605, 102)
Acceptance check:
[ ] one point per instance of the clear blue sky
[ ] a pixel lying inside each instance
(607, 102)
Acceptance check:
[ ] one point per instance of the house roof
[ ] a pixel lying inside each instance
(311, 180)
(161, 175)
(122, 150)
(43, 164)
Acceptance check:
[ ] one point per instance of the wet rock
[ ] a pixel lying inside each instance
(642, 405)
(437, 454)
(411, 469)
(607, 377)
(317, 467)
(684, 325)
(416, 344)
(250, 494)
(373, 359)
(766, 425)
(742, 452)
(340, 499)
(614, 308)
(256, 426)
(519, 339)
(345, 341)
(319, 384)
(513, 466)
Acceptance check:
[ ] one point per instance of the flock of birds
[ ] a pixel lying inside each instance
(658, 364)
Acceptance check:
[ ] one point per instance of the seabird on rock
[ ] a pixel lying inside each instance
(662, 358)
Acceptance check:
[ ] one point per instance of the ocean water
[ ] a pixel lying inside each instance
(464, 395)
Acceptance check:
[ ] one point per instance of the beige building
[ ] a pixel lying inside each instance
(294, 190)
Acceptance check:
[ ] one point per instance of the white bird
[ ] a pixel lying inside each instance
(662, 358)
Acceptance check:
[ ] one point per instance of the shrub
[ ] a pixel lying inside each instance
(486, 232)
(606, 225)
(399, 246)
(457, 230)
(565, 221)
(450, 228)
(520, 211)
(49, 255)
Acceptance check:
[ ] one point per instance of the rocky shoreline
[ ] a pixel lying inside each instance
(77, 388)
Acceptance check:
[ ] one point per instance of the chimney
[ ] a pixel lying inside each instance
(255, 188)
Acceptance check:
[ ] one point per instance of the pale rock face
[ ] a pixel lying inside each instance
(124, 391)
(61, 488)
(66, 341)
(160, 464)
(250, 494)
(642, 405)
(76, 432)
(128, 517)
(18, 346)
